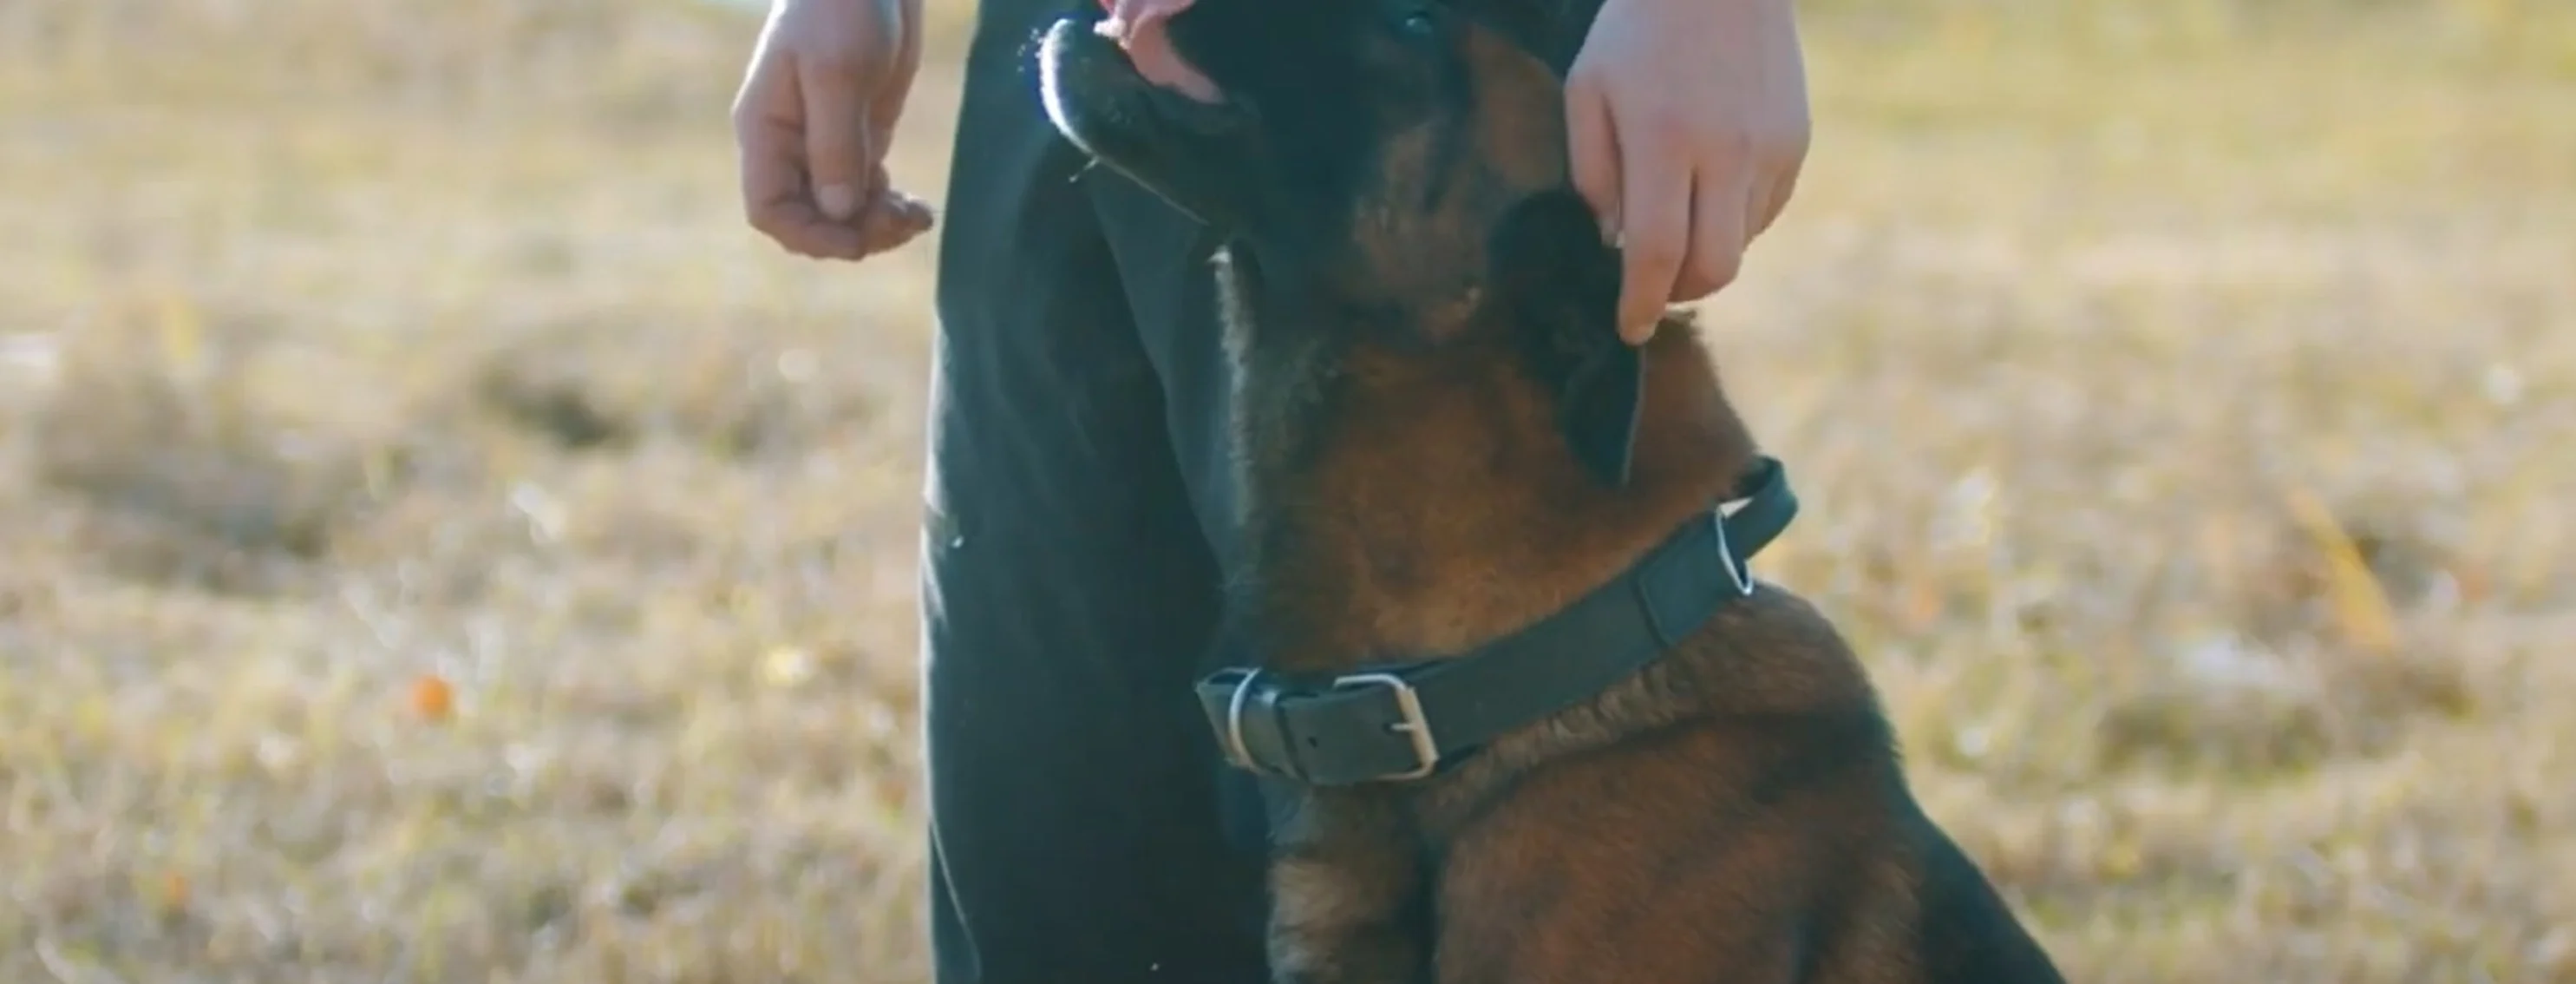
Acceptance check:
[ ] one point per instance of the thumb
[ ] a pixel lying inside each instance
(837, 155)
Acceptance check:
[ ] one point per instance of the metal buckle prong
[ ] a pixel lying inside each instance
(1408, 706)
(1235, 751)
(1735, 573)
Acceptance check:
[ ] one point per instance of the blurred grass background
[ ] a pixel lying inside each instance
(444, 544)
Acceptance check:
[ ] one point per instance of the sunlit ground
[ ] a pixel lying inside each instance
(443, 544)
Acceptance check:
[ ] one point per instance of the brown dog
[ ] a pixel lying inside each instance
(1530, 719)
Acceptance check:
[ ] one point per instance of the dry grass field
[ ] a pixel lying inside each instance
(439, 543)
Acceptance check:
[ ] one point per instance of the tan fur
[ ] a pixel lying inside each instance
(1430, 260)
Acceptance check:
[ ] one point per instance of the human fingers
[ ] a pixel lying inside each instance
(769, 140)
(1592, 153)
(1720, 194)
(840, 164)
(1771, 199)
(1654, 195)
(892, 220)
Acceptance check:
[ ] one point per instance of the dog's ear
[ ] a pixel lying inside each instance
(1561, 287)
(1598, 410)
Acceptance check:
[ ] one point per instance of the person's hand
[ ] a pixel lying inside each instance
(1688, 125)
(816, 109)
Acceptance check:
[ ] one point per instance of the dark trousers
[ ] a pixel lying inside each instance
(1077, 479)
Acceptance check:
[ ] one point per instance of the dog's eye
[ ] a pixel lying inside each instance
(1417, 23)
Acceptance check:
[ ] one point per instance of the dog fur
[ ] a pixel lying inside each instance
(1411, 287)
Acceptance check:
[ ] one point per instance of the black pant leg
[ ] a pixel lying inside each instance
(1164, 259)
(1068, 581)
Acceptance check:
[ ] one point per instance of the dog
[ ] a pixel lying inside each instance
(1528, 717)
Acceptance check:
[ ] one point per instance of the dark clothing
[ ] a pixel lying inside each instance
(1077, 474)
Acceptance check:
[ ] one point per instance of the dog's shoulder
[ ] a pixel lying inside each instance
(1773, 653)
(1769, 664)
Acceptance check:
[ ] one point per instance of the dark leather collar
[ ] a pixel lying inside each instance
(1409, 720)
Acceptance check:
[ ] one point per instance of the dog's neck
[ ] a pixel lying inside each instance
(1404, 503)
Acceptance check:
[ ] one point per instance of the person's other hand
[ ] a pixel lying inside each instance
(816, 109)
(1688, 125)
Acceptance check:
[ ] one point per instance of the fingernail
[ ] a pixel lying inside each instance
(839, 201)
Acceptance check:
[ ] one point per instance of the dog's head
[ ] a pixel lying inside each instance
(1398, 164)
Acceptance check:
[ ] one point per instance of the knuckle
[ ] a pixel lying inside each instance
(1596, 183)
(1654, 253)
(1791, 149)
(787, 235)
(827, 248)
(833, 64)
(1674, 121)
(1653, 118)
(1652, 135)
(1588, 165)
(832, 162)
(1717, 269)
(1659, 265)
(1731, 143)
